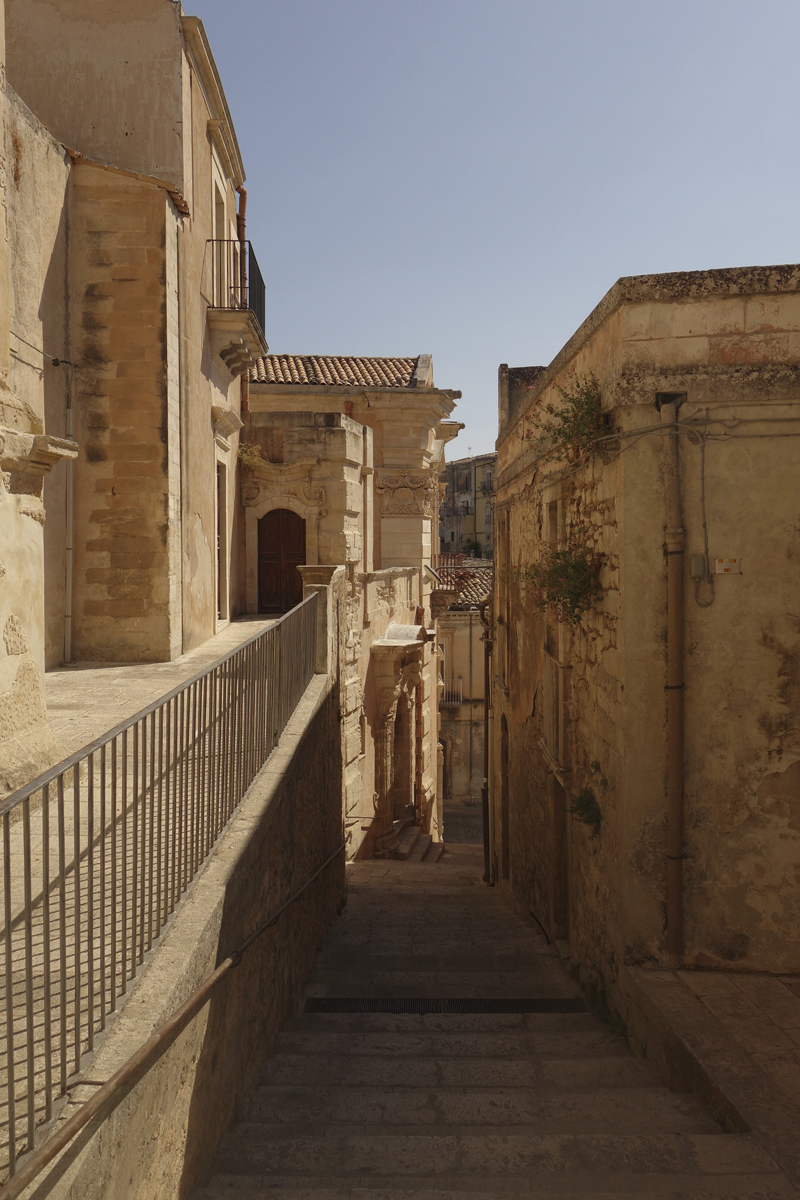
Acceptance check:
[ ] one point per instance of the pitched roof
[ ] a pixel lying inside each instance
(473, 582)
(338, 370)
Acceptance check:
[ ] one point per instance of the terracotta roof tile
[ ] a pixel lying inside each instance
(321, 369)
(474, 583)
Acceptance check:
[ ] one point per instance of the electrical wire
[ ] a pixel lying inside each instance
(57, 362)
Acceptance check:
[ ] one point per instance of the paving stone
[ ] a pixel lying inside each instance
(436, 1106)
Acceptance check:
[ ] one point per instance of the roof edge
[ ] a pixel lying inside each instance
(200, 48)
(675, 285)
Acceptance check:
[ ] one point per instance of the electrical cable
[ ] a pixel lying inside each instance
(57, 362)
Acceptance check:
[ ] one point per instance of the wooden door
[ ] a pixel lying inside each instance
(281, 547)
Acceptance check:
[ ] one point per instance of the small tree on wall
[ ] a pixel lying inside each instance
(573, 427)
(566, 578)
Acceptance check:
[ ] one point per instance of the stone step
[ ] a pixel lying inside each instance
(447, 1022)
(434, 852)
(420, 850)
(668, 1187)
(602, 1071)
(454, 1044)
(406, 841)
(531, 1158)
(465, 985)
(621, 1110)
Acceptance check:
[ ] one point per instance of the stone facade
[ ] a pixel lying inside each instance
(131, 329)
(127, 227)
(583, 715)
(34, 179)
(355, 453)
(465, 518)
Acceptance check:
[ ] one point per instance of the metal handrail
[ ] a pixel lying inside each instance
(99, 850)
(149, 1052)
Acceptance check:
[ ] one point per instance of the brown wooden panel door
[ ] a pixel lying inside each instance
(281, 548)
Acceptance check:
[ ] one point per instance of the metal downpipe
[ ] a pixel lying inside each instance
(675, 545)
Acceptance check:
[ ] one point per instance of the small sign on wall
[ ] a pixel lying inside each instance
(727, 566)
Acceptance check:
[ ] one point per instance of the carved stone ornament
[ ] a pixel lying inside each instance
(407, 493)
(274, 480)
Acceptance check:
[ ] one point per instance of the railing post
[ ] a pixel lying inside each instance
(320, 580)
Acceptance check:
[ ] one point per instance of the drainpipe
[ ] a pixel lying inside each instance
(241, 233)
(69, 427)
(69, 521)
(487, 651)
(675, 542)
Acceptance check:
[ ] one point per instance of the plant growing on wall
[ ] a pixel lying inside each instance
(587, 810)
(249, 454)
(566, 579)
(574, 426)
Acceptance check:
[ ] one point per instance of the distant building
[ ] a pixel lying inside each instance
(465, 516)
(457, 607)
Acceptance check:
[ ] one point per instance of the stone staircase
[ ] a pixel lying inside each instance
(534, 1099)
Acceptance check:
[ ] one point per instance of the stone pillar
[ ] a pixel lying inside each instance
(319, 579)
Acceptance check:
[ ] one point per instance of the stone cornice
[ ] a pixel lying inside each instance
(221, 129)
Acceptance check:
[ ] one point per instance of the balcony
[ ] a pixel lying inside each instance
(236, 312)
(452, 691)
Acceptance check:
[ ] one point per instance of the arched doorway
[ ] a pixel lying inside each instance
(281, 548)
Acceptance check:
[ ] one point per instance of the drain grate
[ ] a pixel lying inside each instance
(369, 1004)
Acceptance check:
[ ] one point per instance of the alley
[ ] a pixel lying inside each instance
(531, 1096)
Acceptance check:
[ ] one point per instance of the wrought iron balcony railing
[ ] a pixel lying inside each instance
(236, 280)
(236, 311)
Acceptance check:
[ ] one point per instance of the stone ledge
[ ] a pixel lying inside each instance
(671, 1027)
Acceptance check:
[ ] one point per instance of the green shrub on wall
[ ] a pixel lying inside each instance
(566, 579)
(249, 454)
(587, 810)
(574, 426)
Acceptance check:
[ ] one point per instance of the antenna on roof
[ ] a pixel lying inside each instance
(470, 452)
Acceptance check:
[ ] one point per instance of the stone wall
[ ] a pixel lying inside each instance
(124, 603)
(730, 343)
(32, 391)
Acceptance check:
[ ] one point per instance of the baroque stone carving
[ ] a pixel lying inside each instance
(407, 493)
(274, 480)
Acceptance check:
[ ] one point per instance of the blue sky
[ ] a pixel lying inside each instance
(469, 179)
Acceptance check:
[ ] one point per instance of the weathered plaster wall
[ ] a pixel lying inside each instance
(32, 402)
(731, 342)
(84, 66)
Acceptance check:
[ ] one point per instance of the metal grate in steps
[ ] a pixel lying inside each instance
(370, 1004)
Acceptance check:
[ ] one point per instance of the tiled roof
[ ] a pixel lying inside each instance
(474, 583)
(337, 370)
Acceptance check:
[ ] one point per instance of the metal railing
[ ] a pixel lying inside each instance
(452, 692)
(98, 851)
(236, 280)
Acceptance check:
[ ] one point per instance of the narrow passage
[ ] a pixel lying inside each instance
(436, 1105)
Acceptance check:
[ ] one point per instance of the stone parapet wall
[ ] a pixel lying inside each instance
(161, 1138)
